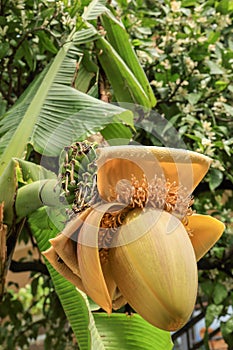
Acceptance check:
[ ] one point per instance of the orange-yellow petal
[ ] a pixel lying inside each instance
(117, 298)
(156, 273)
(74, 224)
(62, 268)
(66, 246)
(205, 232)
(66, 249)
(120, 162)
(110, 283)
(113, 171)
(89, 260)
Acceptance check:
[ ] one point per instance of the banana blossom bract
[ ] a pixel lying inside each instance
(141, 242)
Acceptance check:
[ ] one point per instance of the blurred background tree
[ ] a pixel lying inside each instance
(186, 50)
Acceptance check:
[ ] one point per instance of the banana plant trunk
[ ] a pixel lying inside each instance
(28, 199)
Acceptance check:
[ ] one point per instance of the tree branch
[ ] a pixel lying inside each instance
(225, 264)
(204, 187)
(29, 266)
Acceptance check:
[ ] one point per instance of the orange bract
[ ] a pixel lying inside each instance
(175, 165)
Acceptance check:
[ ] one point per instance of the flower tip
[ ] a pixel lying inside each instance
(58, 241)
(47, 253)
(176, 324)
(206, 231)
(109, 310)
(104, 304)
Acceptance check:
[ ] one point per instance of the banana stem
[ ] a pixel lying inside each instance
(35, 195)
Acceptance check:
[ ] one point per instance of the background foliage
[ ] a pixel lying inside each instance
(186, 50)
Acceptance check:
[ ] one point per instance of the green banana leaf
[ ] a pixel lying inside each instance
(125, 85)
(130, 332)
(116, 134)
(52, 110)
(119, 60)
(119, 39)
(74, 302)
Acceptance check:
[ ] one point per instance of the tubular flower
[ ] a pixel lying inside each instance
(139, 243)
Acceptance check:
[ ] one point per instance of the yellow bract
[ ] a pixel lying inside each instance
(176, 165)
(157, 273)
(149, 256)
(205, 232)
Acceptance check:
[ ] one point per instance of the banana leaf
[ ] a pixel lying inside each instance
(51, 113)
(74, 302)
(129, 332)
(125, 85)
(119, 39)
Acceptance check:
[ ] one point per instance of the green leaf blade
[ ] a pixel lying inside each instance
(125, 85)
(216, 177)
(130, 332)
(20, 135)
(74, 302)
(119, 39)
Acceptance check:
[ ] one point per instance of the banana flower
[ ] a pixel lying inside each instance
(140, 242)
